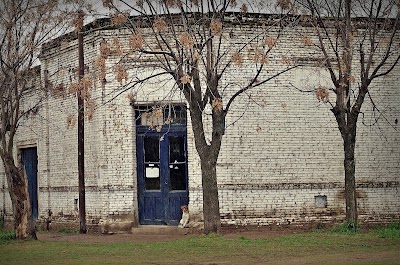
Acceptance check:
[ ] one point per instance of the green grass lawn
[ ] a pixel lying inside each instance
(325, 247)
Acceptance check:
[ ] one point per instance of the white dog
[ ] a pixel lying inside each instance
(185, 216)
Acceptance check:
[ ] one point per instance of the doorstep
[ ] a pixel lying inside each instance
(159, 230)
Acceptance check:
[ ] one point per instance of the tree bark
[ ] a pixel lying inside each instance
(350, 179)
(212, 220)
(24, 226)
(208, 154)
(347, 124)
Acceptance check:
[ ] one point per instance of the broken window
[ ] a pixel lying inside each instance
(177, 163)
(152, 162)
(157, 115)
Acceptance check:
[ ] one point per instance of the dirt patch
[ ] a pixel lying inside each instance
(104, 238)
(167, 235)
(262, 231)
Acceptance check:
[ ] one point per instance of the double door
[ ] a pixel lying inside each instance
(162, 176)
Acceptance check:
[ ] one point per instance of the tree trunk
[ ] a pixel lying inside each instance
(350, 179)
(208, 154)
(212, 221)
(347, 124)
(24, 226)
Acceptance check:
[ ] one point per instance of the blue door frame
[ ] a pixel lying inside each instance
(162, 174)
(29, 160)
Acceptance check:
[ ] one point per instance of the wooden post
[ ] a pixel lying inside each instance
(81, 140)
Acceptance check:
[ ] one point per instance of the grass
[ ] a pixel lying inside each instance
(321, 247)
(392, 230)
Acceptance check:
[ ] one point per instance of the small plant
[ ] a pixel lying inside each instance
(320, 226)
(6, 235)
(346, 228)
(68, 231)
(394, 225)
(391, 230)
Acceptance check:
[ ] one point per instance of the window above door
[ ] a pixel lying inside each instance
(156, 116)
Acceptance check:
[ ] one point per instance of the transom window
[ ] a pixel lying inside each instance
(159, 115)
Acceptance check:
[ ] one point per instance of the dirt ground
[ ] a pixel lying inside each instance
(174, 234)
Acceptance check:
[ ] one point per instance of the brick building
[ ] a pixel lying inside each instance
(281, 160)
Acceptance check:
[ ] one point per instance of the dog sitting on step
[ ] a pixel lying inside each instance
(185, 216)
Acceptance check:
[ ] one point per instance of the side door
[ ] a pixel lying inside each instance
(29, 160)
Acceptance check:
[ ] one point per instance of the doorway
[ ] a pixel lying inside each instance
(162, 172)
(29, 161)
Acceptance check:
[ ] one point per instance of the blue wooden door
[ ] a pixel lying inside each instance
(29, 160)
(162, 176)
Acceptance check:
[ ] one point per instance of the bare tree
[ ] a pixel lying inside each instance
(193, 43)
(25, 26)
(359, 41)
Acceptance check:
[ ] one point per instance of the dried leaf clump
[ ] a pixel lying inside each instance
(216, 27)
(71, 121)
(105, 50)
(131, 97)
(89, 108)
(307, 41)
(119, 19)
(258, 56)
(121, 73)
(73, 88)
(84, 85)
(322, 94)
(237, 58)
(77, 22)
(196, 56)
(136, 41)
(244, 9)
(117, 45)
(186, 40)
(185, 79)
(160, 25)
(154, 118)
(270, 42)
(284, 4)
(285, 60)
(217, 104)
(58, 89)
(107, 3)
(100, 65)
(171, 3)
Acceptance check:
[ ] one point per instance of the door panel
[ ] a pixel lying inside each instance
(29, 160)
(175, 201)
(162, 176)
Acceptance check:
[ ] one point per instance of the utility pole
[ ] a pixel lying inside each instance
(81, 137)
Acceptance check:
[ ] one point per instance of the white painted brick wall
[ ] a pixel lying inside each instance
(281, 147)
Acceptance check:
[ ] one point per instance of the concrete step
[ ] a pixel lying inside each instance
(159, 230)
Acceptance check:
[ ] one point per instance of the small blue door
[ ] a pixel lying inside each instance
(29, 160)
(162, 176)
